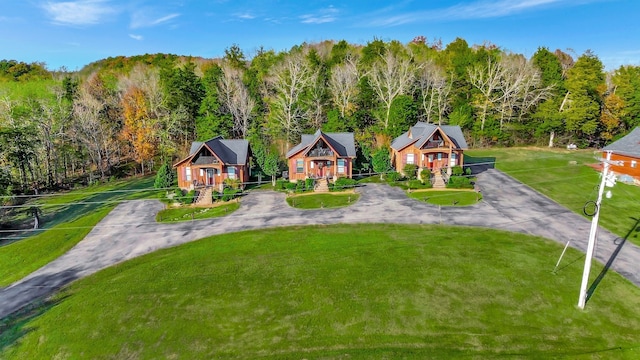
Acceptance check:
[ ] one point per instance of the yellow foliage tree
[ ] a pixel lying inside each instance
(140, 130)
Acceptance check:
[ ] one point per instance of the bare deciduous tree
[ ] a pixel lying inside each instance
(235, 97)
(287, 82)
(391, 75)
(344, 86)
(434, 91)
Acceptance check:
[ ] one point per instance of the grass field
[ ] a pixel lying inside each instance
(326, 200)
(188, 213)
(339, 292)
(563, 176)
(446, 197)
(67, 218)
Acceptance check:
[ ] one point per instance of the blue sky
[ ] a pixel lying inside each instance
(73, 33)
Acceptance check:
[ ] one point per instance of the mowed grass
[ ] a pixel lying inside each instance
(189, 213)
(67, 218)
(564, 176)
(340, 292)
(323, 200)
(446, 197)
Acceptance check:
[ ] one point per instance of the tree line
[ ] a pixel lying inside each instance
(144, 110)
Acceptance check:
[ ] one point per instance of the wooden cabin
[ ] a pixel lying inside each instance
(322, 155)
(429, 146)
(211, 162)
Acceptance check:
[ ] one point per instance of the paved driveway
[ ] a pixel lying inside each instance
(130, 229)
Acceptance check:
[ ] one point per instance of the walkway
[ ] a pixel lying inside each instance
(130, 229)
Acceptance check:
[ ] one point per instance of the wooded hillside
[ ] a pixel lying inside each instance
(55, 127)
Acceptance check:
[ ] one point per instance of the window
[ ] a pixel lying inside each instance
(299, 166)
(201, 172)
(410, 159)
(312, 163)
(232, 172)
(633, 163)
(187, 173)
(341, 166)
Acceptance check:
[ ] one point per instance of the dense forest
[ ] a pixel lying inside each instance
(125, 115)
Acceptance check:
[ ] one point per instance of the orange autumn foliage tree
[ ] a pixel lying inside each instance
(140, 130)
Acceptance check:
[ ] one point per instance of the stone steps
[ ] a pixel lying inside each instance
(321, 185)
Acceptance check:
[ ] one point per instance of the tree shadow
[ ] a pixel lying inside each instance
(620, 243)
(479, 164)
(15, 326)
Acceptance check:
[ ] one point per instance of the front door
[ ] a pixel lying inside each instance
(211, 180)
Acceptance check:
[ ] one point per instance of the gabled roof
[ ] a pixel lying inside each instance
(230, 152)
(628, 145)
(342, 143)
(421, 132)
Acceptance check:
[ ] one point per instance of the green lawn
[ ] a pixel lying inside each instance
(326, 200)
(446, 197)
(188, 213)
(563, 176)
(338, 292)
(67, 219)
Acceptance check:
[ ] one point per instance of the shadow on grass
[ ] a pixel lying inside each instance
(69, 212)
(620, 243)
(479, 164)
(15, 326)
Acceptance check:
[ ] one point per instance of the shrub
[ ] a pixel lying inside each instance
(178, 195)
(393, 176)
(232, 183)
(410, 171)
(425, 176)
(281, 184)
(191, 195)
(459, 182)
(343, 182)
(229, 193)
(290, 186)
(416, 184)
(457, 171)
(309, 183)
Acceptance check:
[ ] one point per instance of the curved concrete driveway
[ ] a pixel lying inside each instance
(130, 229)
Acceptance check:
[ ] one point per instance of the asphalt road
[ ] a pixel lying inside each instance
(130, 229)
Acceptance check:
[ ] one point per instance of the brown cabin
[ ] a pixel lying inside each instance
(625, 152)
(429, 146)
(211, 162)
(322, 155)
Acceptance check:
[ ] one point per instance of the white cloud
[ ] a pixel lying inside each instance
(321, 17)
(140, 19)
(476, 10)
(245, 16)
(136, 37)
(81, 12)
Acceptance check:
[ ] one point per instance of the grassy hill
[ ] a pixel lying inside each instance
(338, 292)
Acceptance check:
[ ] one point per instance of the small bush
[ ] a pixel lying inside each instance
(393, 176)
(415, 184)
(281, 184)
(410, 171)
(191, 195)
(178, 195)
(232, 183)
(457, 171)
(290, 186)
(425, 176)
(309, 183)
(459, 182)
(229, 194)
(343, 183)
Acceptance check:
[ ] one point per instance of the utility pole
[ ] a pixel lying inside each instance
(593, 233)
